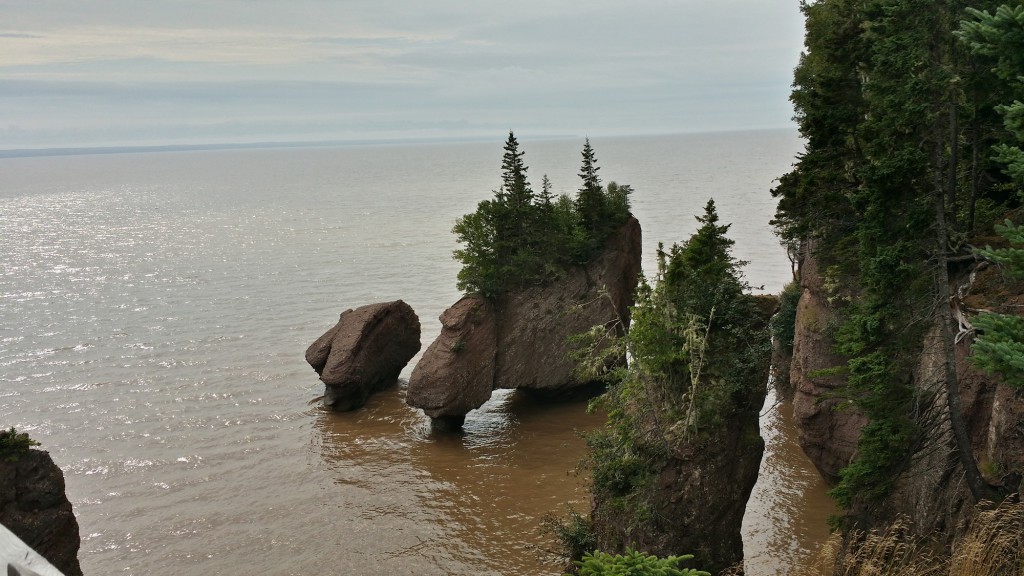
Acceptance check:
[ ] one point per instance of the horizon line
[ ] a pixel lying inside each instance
(152, 148)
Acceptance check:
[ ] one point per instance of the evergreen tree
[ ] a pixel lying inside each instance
(546, 198)
(999, 346)
(590, 199)
(518, 238)
(513, 175)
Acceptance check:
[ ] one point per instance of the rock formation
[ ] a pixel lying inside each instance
(522, 340)
(931, 491)
(694, 499)
(34, 507)
(459, 365)
(828, 426)
(364, 352)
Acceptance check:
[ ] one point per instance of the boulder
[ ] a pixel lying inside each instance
(35, 508)
(364, 352)
(460, 363)
(521, 340)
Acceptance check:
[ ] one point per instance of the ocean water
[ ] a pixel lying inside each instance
(154, 312)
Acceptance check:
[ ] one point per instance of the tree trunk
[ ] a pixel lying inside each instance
(954, 159)
(980, 490)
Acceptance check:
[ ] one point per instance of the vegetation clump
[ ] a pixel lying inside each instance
(900, 105)
(992, 545)
(520, 238)
(698, 349)
(14, 444)
(783, 324)
(634, 563)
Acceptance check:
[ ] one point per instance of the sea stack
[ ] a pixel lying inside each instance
(521, 339)
(364, 352)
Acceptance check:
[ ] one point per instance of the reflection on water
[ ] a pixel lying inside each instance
(153, 313)
(452, 503)
(785, 523)
(473, 502)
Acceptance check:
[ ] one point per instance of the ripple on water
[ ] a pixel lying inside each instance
(155, 307)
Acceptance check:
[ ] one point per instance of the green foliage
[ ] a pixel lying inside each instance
(1012, 258)
(575, 533)
(698, 348)
(458, 345)
(872, 475)
(999, 347)
(783, 324)
(634, 563)
(13, 444)
(999, 36)
(518, 238)
(890, 107)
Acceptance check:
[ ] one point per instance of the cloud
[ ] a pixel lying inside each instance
(101, 69)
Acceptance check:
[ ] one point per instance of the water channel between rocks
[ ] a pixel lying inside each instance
(154, 309)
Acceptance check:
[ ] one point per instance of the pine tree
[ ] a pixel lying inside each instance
(999, 346)
(546, 198)
(590, 200)
(513, 175)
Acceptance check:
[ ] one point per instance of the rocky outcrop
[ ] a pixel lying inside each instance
(456, 373)
(364, 352)
(693, 500)
(829, 427)
(34, 507)
(522, 340)
(696, 503)
(931, 491)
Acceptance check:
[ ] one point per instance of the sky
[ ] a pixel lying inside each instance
(79, 73)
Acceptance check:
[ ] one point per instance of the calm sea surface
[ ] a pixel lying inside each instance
(154, 312)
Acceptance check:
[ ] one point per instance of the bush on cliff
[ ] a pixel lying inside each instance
(699, 347)
(13, 444)
(784, 322)
(519, 238)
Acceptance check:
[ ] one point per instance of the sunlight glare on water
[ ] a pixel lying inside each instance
(154, 311)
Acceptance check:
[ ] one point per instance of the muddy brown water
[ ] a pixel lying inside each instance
(154, 309)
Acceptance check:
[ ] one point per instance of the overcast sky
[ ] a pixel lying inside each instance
(132, 72)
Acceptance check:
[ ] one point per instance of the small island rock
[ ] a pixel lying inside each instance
(364, 352)
(522, 339)
(34, 506)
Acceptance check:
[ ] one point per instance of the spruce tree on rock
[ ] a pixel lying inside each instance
(513, 175)
(590, 200)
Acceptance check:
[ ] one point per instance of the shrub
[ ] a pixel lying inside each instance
(634, 563)
(784, 322)
(13, 444)
(575, 533)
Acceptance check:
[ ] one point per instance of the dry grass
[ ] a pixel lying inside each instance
(992, 546)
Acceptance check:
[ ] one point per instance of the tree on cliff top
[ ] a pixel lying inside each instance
(699, 349)
(518, 238)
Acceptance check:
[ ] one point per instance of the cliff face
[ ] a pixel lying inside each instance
(931, 492)
(522, 340)
(694, 503)
(34, 507)
(693, 499)
(828, 427)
